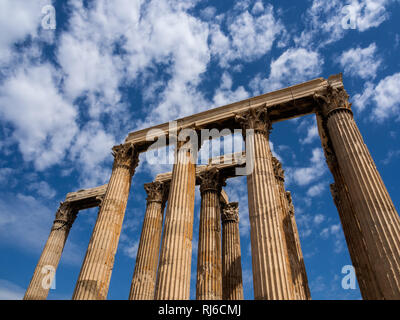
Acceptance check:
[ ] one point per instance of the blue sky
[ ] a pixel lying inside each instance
(111, 67)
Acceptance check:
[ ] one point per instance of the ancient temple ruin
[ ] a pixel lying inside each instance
(163, 265)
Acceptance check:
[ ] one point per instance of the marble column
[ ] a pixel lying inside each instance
(232, 284)
(297, 274)
(173, 279)
(269, 258)
(144, 276)
(95, 275)
(209, 265)
(351, 226)
(286, 231)
(301, 280)
(45, 270)
(378, 219)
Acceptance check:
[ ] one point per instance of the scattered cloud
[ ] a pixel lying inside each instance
(363, 63)
(317, 189)
(43, 189)
(44, 122)
(305, 175)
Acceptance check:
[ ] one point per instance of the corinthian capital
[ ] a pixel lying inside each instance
(332, 99)
(279, 172)
(156, 191)
(65, 216)
(230, 212)
(126, 156)
(211, 180)
(256, 119)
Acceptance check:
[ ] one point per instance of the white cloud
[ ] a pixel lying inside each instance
(91, 150)
(316, 190)
(312, 134)
(131, 250)
(305, 175)
(250, 35)
(325, 20)
(25, 222)
(319, 218)
(361, 62)
(384, 97)
(44, 123)
(293, 66)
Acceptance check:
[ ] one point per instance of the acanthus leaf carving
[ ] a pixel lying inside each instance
(256, 118)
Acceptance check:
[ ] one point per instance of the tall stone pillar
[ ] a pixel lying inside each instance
(232, 284)
(288, 240)
(45, 270)
(95, 275)
(372, 206)
(301, 280)
(144, 276)
(209, 268)
(351, 226)
(297, 276)
(173, 279)
(269, 258)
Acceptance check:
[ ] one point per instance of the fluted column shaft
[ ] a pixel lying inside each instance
(144, 276)
(296, 274)
(232, 284)
(39, 286)
(95, 274)
(270, 268)
(301, 280)
(209, 265)
(173, 279)
(374, 210)
(350, 224)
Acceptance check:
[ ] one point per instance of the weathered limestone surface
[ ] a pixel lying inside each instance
(144, 276)
(209, 268)
(269, 258)
(232, 284)
(40, 284)
(371, 204)
(95, 275)
(173, 280)
(301, 280)
(296, 274)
